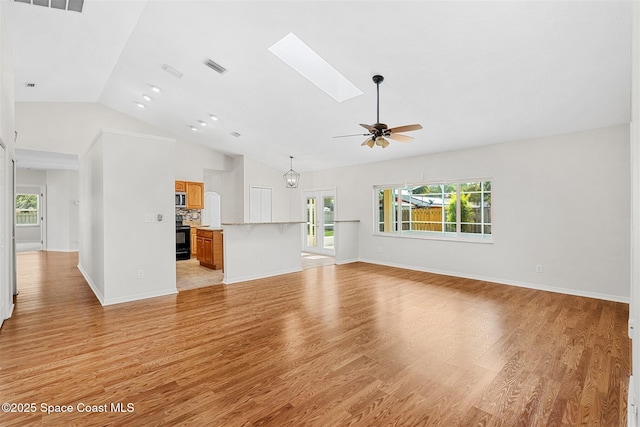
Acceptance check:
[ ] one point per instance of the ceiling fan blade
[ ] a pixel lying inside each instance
(355, 134)
(405, 128)
(398, 137)
(369, 142)
(369, 128)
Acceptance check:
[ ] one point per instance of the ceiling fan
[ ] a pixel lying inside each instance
(379, 132)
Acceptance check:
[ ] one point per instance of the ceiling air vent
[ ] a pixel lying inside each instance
(215, 66)
(236, 134)
(72, 5)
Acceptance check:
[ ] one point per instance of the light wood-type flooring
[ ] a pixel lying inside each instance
(348, 345)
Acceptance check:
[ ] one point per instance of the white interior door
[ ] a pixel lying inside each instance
(319, 213)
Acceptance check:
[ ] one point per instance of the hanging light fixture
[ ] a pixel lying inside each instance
(292, 177)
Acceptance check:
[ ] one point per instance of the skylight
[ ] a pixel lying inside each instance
(296, 54)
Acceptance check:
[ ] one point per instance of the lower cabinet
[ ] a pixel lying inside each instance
(209, 248)
(194, 242)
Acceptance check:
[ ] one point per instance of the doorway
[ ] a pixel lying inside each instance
(320, 208)
(30, 218)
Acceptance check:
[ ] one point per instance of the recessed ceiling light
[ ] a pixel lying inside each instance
(203, 124)
(169, 69)
(140, 104)
(156, 89)
(214, 118)
(147, 97)
(296, 54)
(193, 128)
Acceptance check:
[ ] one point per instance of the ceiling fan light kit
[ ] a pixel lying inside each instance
(379, 132)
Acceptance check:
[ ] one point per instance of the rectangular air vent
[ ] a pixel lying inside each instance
(215, 66)
(169, 69)
(72, 5)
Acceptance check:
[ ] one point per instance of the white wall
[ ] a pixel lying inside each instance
(634, 307)
(232, 191)
(7, 126)
(560, 201)
(127, 253)
(259, 175)
(69, 128)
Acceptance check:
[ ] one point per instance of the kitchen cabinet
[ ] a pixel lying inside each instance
(194, 242)
(209, 248)
(195, 193)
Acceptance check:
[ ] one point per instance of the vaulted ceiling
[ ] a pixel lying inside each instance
(472, 73)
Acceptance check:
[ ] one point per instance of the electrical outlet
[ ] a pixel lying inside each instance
(538, 268)
(140, 274)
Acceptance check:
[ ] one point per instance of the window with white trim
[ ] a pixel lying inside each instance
(27, 209)
(432, 210)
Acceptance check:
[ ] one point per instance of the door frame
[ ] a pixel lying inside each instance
(320, 196)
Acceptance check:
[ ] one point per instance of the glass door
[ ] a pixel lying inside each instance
(319, 214)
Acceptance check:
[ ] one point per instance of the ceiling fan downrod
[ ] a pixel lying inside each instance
(377, 79)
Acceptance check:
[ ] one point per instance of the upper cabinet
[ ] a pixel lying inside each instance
(195, 195)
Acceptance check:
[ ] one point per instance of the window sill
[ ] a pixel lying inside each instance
(421, 236)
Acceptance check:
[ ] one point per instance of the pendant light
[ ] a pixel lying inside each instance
(292, 177)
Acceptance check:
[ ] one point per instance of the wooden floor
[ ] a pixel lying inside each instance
(355, 344)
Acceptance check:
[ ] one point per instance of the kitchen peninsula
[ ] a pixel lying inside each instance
(262, 249)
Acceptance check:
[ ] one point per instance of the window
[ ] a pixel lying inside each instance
(432, 210)
(27, 208)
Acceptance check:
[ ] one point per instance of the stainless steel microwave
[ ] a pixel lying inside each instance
(181, 200)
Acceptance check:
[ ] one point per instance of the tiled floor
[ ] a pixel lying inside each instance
(310, 260)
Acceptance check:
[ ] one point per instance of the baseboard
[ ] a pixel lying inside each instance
(28, 246)
(259, 276)
(539, 287)
(631, 405)
(347, 261)
(61, 250)
(137, 297)
(92, 285)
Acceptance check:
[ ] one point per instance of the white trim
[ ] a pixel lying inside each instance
(347, 261)
(137, 297)
(632, 414)
(261, 276)
(92, 285)
(110, 301)
(28, 246)
(536, 286)
(61, 250)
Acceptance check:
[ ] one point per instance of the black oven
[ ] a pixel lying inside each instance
(183, 241)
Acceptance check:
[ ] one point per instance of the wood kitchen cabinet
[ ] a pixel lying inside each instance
(209, 244)
(195, 193)
(194, 242)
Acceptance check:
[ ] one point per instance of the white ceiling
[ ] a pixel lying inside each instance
(472, 73)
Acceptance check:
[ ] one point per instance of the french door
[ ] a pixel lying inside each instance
(320, 207)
